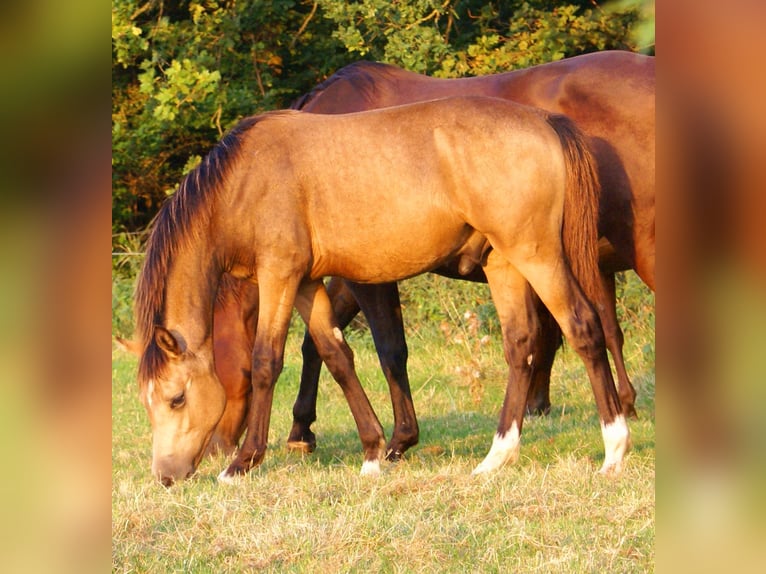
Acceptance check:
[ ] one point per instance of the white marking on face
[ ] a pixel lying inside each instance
(616, 445)
(188, 384)
(529, 359)
(504, 449)
(370, 468)
(338, 334)
(149, 392)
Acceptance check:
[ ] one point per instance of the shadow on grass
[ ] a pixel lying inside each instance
(468, 436)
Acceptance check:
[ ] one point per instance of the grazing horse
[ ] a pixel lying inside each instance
(610, 95)
(287, 198)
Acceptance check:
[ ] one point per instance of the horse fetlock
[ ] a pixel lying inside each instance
(370, 468)
(536, 407)
(628, 402)
(399, 445)
(394, 454)
(301, 437)
(617, 443)
(505, 449)
(629, 410)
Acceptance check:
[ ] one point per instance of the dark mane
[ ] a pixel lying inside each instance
(180, 219)
(229, 287)
(361, 76)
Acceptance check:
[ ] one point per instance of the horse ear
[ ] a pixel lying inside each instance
(168, 342)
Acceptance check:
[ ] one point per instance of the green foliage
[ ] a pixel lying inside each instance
(182, 77)
(182, 74)
(405, 33)
(126, 262)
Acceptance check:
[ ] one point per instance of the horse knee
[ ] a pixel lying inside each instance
(337, 357)
(520, 352)
(265, 371)
(394, 361)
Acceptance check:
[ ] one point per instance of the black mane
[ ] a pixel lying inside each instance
(361, 75)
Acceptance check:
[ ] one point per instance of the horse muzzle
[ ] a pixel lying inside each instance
(168, 473)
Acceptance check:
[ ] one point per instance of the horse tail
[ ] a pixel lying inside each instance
(579, 232)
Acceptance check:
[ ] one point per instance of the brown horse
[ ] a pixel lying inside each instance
(611, 97)
(288, 197)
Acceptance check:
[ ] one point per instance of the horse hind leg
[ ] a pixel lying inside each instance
(314, 306)
(520, 327)
(580, 324)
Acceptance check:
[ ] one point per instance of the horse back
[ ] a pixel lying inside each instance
(610, 95)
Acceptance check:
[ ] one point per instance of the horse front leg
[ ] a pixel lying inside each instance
(513, 300)
(277, 295)
(381, 305)
(345, 308)
(314, 306)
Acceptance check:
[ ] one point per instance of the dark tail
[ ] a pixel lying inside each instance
(579, 232)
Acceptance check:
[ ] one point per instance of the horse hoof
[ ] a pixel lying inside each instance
(394, 455)
(611, 469)
(301, 446)
(538, 411)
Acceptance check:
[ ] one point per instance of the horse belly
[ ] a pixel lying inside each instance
(387, 250)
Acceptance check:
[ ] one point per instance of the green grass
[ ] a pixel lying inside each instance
(551, 512)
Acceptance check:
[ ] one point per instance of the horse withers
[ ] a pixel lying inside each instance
(287, 198)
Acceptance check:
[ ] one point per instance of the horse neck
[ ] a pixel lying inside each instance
(190, 295)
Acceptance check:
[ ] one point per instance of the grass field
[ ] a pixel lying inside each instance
(551, 512)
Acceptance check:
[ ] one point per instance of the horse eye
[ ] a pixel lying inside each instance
(178, 400)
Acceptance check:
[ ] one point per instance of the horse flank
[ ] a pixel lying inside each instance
(180, 220)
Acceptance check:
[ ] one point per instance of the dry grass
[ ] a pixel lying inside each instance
(549, 513)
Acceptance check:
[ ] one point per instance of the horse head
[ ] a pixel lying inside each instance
(184, 400)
